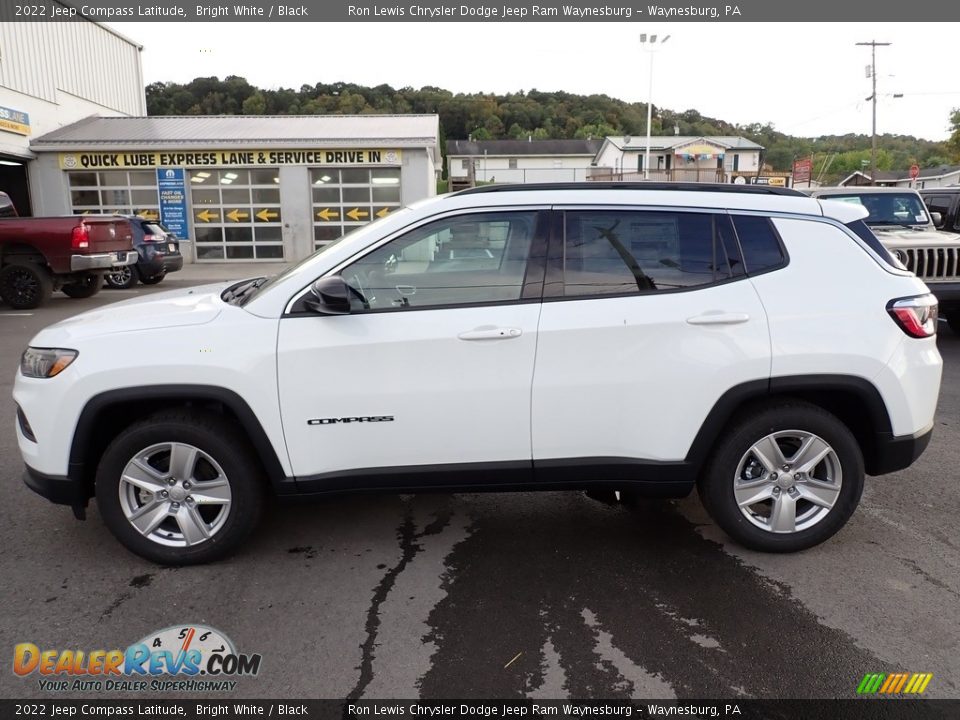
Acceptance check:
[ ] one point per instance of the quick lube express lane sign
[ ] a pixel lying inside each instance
(226, 158)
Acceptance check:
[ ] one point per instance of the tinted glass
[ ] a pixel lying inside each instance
(887, 208)
(759, 243)
(454, 261)
(938, 204)
(615, 252)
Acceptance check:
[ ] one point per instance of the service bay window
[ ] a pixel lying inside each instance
(346, 198)
(236, 214)
(120, 192)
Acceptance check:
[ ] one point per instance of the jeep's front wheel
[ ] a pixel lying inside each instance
(179, 488)
(784, 478)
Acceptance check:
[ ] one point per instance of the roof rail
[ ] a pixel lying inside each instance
(684, 186)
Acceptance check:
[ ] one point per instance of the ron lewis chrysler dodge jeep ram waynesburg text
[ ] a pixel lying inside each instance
(640, 338)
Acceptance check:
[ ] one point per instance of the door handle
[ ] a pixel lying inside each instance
(491, 334)
(718, 318)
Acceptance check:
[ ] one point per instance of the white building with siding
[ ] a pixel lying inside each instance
(53, 74)
(681, 158)
(519, 161)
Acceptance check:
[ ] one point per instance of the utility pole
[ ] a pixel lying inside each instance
(873, 76)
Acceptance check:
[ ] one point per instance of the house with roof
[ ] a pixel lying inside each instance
(519, 161)
(682, 158)
(941, 176)
(882, 178)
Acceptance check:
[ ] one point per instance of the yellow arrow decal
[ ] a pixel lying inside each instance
(235, 215)
(207, 216)
(327, 213)
(383, 212)
(357, 213)
(148, 215)
(266, 215)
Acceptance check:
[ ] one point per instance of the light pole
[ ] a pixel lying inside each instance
(650, 44)
(873, 76)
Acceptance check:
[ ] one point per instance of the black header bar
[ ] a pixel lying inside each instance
(440, 11)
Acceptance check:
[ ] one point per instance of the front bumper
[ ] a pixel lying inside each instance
(103, 261)
(898, 452)
(56, 488)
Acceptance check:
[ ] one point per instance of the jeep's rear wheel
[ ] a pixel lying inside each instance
(784, 478)
(179, 488)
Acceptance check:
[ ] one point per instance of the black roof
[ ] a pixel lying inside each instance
(686, 187)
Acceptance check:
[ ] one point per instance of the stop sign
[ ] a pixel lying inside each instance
(914, 172)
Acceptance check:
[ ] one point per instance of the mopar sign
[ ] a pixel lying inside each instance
(171, 185)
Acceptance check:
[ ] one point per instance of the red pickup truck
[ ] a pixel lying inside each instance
(70, 253)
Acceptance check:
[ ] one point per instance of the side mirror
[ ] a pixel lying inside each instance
(329, 296)
(936, 218)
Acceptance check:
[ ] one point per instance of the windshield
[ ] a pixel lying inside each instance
(888, 208)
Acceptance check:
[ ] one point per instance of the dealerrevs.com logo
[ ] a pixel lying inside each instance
(180, 658)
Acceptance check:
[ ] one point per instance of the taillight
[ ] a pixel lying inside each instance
(916, 316)
(80, 238)
(149, 238)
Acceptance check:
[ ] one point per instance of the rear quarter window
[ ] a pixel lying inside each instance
(761, 246)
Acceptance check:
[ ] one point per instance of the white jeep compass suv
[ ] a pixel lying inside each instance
(644, 338)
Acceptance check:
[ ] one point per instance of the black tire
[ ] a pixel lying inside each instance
(84, 288)
(716, 485)
(214, 437)
(125, 277)
(24, 284)
(153, 280)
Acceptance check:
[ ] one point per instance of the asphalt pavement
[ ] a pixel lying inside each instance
(540, 595)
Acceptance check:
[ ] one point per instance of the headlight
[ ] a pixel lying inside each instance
(45, 362)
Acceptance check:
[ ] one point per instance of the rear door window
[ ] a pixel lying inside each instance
(761, 246)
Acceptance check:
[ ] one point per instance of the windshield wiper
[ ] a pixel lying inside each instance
(241, 290)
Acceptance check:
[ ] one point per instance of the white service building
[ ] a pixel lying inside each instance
(53, 74)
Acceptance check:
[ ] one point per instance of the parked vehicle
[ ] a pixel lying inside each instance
(158, 252)
(6, 206)
(900, 220)
(944, 206)
(41, 254)
(753, 342)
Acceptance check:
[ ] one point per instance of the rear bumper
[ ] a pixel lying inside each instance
(103, 261)
(56, 488)
(156, 264)
(898, 452)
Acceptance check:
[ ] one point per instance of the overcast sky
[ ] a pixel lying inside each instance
(806, 79)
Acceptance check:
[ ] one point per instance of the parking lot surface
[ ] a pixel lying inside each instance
(547, 595)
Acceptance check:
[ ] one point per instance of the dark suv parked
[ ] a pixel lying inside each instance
(944, 201)
(159, 254)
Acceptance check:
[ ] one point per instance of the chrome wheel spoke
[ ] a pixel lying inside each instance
(192, 526)
(811, 453)
(214, 492)
(148, 518)
(183, 460)
(783, 514)
(750, 493)
(819, 493)
(768, 454)
(143, 476)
